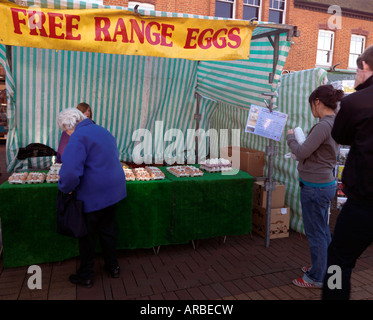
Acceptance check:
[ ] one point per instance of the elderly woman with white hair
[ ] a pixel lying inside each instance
(91, 166)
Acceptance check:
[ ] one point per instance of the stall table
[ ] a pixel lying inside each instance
(155, 213)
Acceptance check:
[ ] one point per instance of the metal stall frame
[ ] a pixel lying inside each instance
(271, 149)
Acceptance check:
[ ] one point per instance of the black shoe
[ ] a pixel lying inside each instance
(75, 279)
(113, 272)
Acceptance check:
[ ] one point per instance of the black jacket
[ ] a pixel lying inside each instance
(353, 126)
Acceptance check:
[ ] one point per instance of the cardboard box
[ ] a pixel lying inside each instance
(280, 221)
(250, 160)
(260, 195)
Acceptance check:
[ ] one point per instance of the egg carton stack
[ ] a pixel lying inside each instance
(141, 174)
(53, 173)
(18, 178)
(185, 171)
(216, 165)
(155, 173)
(36, 177)
(130, 176)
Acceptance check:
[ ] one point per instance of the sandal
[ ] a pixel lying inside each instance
(304, 284)
(305, 269)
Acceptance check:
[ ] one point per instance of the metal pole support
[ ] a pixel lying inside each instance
(271, 151)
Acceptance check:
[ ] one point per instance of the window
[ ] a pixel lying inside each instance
(251, 9)
(325, 46)
(277, 11)
(357, 47)
(142, 5)
(225, 8)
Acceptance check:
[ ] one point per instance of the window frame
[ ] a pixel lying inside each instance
(323, 64)
(275, 9)
(233, 2)
(254, 6)
(350, 53)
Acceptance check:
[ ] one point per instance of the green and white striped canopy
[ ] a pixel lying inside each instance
(128, 93)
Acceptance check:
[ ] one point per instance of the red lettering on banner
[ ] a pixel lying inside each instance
(152, 32)
(53, 25)
(223, 40)
(190, 36)
(234, 38)
(166, 34)
(37, 25)
(120, 29)
(37, 19)
(105, 29)
(70, 26)
(135, 27)
(17, 20)
(148, 34)
(207, 38)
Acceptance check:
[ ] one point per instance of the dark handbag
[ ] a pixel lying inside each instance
(70, 219)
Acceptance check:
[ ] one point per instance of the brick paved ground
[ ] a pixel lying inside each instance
(239, 269)
(242, 268)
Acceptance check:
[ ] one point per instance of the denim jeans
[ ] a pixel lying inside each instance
(315, 211)
(353, 233)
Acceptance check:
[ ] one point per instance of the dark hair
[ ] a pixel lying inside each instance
(328, 95)
(83, 107)
(366, 56)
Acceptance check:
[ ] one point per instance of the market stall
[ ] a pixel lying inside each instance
(173, 210)
(140, 90)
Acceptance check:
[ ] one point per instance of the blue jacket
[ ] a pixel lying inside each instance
(91, 166)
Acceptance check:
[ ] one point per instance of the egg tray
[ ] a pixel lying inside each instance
(143, 174)
(185, 171)
(52, 178)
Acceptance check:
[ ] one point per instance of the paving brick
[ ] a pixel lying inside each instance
(241, 269)
(255, 295)
(209, 292)
(183, 295)
(258, 282)
(231, 287)
(196, 293)
(242, 296)
(220, 290)
(280, 294)
(267, 294)
(170, 296)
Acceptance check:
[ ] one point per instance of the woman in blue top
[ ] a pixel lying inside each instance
(91, 166)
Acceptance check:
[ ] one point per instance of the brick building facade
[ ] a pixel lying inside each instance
(312, 16)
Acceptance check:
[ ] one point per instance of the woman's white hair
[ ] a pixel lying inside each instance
(67, 119)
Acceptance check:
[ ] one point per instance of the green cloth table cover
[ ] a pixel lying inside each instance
(213, 205)
(160, 212)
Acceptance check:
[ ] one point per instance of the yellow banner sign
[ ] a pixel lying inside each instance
(123, 32)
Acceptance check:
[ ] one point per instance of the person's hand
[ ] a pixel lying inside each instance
(290, 131)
